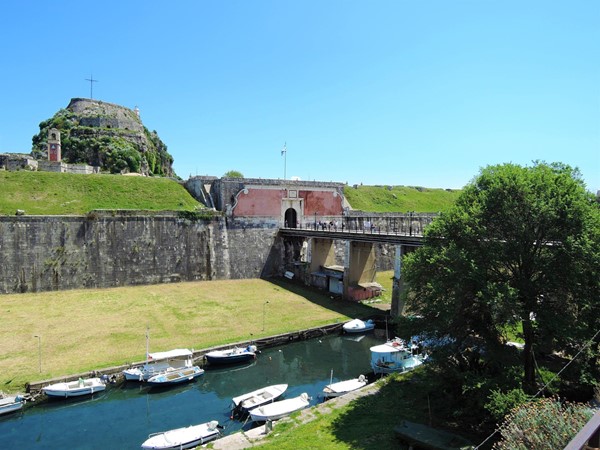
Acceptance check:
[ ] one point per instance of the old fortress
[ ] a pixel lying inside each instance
(239, 237)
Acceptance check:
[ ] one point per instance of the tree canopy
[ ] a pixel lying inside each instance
(521, 247)
(233, 174)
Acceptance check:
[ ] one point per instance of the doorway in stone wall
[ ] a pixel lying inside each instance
(290, 218)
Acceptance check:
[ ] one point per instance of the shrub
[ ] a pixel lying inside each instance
(542, 424)
(500, 404)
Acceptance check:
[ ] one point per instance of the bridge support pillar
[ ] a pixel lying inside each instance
(322, 254)
(398, 286)
(359, 266)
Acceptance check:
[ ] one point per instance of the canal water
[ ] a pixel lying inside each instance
(123, 416)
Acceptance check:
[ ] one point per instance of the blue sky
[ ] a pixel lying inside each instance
(416, 93)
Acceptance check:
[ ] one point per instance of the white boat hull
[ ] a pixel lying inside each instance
(358, 326)
(378, 369)
(75, 388)
(180, 438)
(343, 387)
(11, 404)
(259, 397)
(277, 410)
(160, 362)
(392, 357)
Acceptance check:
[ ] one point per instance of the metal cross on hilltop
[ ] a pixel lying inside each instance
(92, 81)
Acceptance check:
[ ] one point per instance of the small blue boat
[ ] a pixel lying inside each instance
(175, 376)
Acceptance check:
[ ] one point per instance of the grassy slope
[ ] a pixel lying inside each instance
(47, 193)
(83, 330)
(400, 198)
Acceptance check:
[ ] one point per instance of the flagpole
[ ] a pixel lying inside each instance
(284, 153)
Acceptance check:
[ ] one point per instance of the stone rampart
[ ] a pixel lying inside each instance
(102, 250)
(96, 113)
(62, 167)
(17, 161)
(108, 122)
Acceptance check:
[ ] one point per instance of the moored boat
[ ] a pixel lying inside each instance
(277, 410)
(232, 355)
(187, 437)
(358, 326)
(343, 387)
(77, 388)
(159, 362)
(175, 376)
(394, 356)
(10, 403)
(244, 403)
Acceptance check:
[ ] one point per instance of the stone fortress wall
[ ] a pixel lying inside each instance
(120, 248)
(101, 114)
(15, 161)
(108, 249)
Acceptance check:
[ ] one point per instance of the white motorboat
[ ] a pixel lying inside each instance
(358, 326)
(277, 410)
(187, 437)
(394, 356)
(231, 355)
(77, 388)
(175, 376)
(10, 403)
(343, 387)
(159, 362)
(268, 394)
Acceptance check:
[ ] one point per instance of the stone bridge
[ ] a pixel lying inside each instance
(359, 256)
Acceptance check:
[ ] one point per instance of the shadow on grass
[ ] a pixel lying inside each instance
(413, 396)
(328, 300)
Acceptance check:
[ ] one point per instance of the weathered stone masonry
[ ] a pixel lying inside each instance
(41, 253)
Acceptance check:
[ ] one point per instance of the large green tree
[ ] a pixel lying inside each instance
(520, 247)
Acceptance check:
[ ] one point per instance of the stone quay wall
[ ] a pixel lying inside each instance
(104, 249)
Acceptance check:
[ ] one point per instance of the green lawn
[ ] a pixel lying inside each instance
(42, 193)
(83, 330)
(48, 193)
(400, 198)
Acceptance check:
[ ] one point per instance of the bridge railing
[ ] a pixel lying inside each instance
(406, 225)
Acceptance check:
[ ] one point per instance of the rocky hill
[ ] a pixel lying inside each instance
(106, 135)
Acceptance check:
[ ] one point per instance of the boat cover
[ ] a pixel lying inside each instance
(177, 353)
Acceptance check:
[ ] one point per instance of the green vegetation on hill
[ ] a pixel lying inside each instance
(48, 193)
(400, 198)
(113, 149)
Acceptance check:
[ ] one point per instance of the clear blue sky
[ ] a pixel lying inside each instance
(418, 93)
